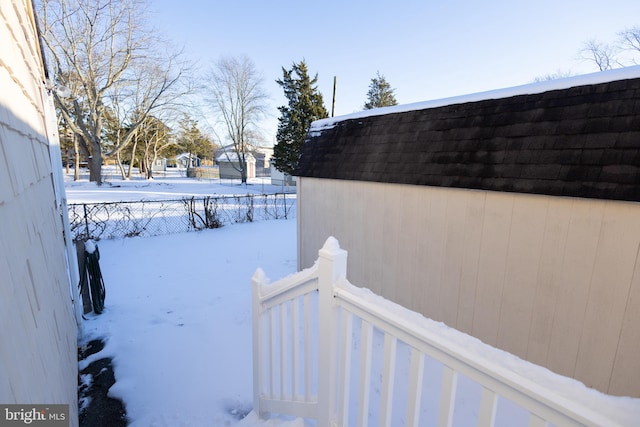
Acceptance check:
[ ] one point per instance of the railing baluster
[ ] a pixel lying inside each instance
(272, 346)
(295, 364)
(257, 337)
(308, 370)
(365, 374)
(447, 396)
(488, 405)
(283, 351)
(388, 378)
(345, 367)
(415, 388)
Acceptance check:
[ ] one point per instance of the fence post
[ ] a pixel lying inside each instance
(86, 220)
(284, 203)
(256, 283)
(332, 264)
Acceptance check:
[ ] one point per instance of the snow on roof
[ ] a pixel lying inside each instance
(232, 157)
(185, 156)
(528, 89)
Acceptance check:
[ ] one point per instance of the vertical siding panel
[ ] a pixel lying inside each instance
(392, 226)
(301, 217)
(455, 240)
(358, 211)
(492, 266)
(577, 267)
(335, 197)
(523, 258)
(305, 220)
(611, 281)
(372, 225)
(474, 218)
(549, 282)
(626, 369)
(310, 227)
(408, 263)
(424, 282)
(327, 199)
(346, 233)
(435, 245)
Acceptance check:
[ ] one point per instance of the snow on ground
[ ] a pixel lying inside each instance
(169, 185)
(177, 318)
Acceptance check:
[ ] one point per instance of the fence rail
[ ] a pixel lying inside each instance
(326, 350)
(157, 217)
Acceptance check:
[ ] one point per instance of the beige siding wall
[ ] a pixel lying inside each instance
(553, 280)
(38, 348)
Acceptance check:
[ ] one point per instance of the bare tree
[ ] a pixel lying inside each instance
(560, 74)
(240, 102)
(153, 137)
(146, 94)
(101, 51)
(601, 54)
(629, 41)
(621, 53)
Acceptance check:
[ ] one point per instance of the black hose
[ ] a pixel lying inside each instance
(96, 283)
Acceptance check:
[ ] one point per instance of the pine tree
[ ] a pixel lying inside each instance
(380, 93)
(305, 105)
(191, 140)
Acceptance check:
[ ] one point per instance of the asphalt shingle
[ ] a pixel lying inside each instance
(582, 141)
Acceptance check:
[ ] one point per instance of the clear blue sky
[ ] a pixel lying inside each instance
(426, 49)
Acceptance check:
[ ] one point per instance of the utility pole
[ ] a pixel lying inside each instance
(333, 102)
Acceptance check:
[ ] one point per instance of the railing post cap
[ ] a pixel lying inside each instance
(259, 276)
(331, 245)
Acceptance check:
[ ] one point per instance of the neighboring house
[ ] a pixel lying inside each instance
(258, 162)
(263, 157)
(229, 165)
(38, 333)
(182, 161)
(510, 215)
(280, 178)
(160, 165)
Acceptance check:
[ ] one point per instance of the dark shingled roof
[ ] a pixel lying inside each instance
(581, 141)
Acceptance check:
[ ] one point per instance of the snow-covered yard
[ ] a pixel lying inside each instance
(173, 185)
(177, 318)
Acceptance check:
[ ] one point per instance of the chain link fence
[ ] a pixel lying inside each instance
(158, 217)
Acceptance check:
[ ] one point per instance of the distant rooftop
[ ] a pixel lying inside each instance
(578, 136)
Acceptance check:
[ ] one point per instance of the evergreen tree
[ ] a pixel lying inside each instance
(305, 105)
(380, 93)
(191, 140)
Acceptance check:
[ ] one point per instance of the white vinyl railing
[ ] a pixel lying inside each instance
(326, 350)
